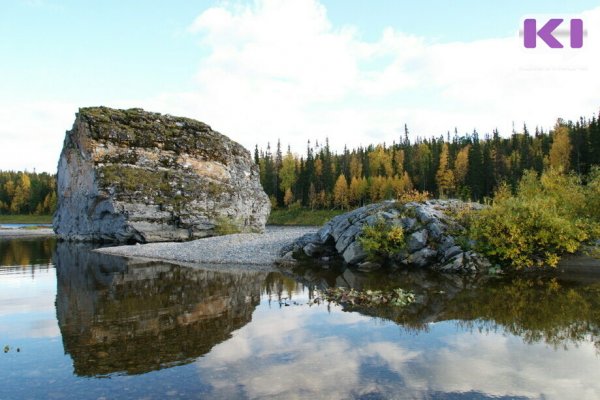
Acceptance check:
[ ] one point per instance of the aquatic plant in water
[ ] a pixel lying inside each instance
(350, 296)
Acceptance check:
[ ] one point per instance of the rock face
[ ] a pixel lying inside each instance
(430, 231)
(134, 176)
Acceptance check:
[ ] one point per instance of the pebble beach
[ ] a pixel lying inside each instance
(252, 249)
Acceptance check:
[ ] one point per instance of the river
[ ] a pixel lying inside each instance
(75, 324)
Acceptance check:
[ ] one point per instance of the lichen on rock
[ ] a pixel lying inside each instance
(136, 176)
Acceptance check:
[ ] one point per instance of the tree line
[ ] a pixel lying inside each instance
(469, 166)
(27, 193)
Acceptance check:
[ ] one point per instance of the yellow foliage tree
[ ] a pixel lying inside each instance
(461, 165)
(323, 199)
(288, 197)
(287, 173)
(401, 184)
(355, 166)
(21, 194)
(340, 192)
(318, 168)
(380, 162)
(444, 176)
(358, 190)
(399, 161)
(560, 151)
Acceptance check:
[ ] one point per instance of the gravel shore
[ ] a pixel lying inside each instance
(12, 233)
(237, 249)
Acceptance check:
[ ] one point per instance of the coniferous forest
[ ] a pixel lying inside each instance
(27, 193)
(467, 166)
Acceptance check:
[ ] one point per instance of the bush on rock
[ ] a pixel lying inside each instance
(381, 240)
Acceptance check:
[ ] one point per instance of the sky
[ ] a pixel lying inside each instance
(295, 70)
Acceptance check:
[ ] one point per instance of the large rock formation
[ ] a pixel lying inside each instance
(135, 176)
(434, 237)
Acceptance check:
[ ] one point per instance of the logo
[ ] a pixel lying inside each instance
(548, 32)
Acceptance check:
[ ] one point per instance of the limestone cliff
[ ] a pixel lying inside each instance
(135, 176)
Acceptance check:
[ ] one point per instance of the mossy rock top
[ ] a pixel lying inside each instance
(149, 130)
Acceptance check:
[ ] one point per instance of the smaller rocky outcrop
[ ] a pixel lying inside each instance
(432, 231)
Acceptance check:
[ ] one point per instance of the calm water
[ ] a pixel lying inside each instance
(18, 226)
(79, 325)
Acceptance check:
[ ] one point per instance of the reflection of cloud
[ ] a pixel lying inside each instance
(30, 326)
(276, 355)
(44, 328)
(309, 352)
(395, 356)
(501, 365)
(27, 303)
(19, 295)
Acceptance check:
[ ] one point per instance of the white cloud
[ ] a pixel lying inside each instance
(280, 69)
(32, 134)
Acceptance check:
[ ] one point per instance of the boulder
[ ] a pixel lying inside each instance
(429, 228)
(423, 257)
(417, 240)
(354, 253)
(134, 176)
(451, 252)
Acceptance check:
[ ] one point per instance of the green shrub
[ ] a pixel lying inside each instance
(381, 240)
(546, 218)
(593, 194)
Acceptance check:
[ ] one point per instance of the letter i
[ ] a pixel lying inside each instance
(576, 33)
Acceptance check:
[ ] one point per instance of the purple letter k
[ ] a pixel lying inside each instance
(545, 33)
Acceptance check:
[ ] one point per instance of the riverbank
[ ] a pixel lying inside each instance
(296, 216)
(257, 249)
(14, 233)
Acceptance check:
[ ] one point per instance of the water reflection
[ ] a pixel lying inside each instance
(119, 317)
(26, 252)
(556, 308)
(438, 352)
(259, 335)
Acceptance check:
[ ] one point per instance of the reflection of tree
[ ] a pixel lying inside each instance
(278, 287)
(544, 308)
(120, 318)
(539, 309)
(25, 252)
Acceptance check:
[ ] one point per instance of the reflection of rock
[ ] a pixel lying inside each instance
(117, 317)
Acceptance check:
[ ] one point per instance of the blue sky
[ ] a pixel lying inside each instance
(352, 70)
